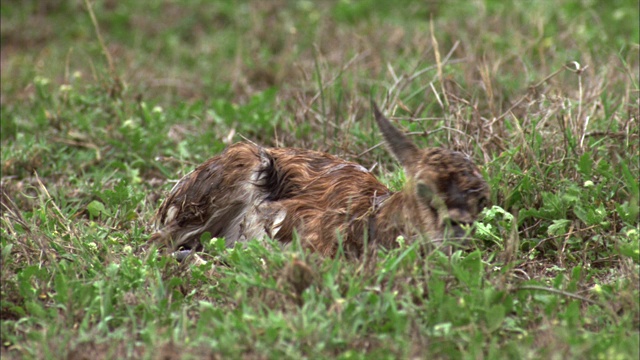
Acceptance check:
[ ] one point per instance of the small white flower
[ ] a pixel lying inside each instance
(129, 123)
(39, 80)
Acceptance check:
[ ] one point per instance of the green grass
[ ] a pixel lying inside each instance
(88, 152)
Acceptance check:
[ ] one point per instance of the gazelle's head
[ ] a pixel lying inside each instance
(447, 187)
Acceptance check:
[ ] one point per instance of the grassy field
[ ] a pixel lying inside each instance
(100, 118)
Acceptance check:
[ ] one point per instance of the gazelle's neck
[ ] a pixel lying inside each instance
(397, 215)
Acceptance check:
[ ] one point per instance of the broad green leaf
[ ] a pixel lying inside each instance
(494, 317)
(96, 208)
(559, 227)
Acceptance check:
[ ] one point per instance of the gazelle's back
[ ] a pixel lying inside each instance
(322, 196)
(248, 192)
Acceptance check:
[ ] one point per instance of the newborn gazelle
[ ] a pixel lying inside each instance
(250, 192)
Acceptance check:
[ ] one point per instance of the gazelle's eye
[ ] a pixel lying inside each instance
(482, 203)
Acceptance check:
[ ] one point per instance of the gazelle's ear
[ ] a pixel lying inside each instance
(401, 147)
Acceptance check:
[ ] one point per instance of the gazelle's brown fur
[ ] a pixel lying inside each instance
(250, 192)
